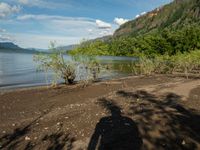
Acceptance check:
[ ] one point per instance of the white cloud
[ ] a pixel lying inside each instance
(65, 30)
(43, 4)
(103, 25)
(25, 2)
(137, 16)
(52, 17)
(105, 32)
(43, 41)
(141, 14)
(6, 9)
(90, 30)
(2, 30)
(120, 21)
(6, 38)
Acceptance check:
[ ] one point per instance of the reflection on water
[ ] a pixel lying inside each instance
(19, 70)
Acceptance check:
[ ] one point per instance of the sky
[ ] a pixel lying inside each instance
(34, 23)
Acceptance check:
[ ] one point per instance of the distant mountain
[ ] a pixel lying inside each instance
(8, 45)
(67, 48)
(11, 47)
(175, 15)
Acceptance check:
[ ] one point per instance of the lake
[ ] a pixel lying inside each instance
(18, 70)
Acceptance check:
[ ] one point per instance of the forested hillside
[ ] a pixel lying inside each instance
(173, 16)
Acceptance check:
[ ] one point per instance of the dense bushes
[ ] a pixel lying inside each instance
(186, 63)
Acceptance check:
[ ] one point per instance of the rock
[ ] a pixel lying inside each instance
(4, 132)
(183, 142)
(27, 138)
(46, 128)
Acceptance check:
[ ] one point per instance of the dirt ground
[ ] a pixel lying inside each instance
(148, 113)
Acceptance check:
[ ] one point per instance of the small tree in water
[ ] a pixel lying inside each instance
(54, 61)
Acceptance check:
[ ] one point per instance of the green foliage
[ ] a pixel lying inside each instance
(166, 42)
(186, 63)
(55, 62)
(91, 48)
(91, 65)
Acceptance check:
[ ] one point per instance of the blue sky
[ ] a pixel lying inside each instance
(34, 23)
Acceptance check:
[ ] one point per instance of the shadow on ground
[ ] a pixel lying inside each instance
(163, 122)
(116, 131)
(50, 141)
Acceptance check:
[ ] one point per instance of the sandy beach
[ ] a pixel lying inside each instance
(156, 112)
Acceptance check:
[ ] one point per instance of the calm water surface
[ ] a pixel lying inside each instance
(18, 70)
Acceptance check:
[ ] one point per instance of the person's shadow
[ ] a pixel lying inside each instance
(115, 132)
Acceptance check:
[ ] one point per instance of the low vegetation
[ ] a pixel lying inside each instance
(55, 62)
(80, 67)
(186, 63)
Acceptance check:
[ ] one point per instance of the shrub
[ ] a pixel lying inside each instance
(55, 62)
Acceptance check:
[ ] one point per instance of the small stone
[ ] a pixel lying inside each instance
(66, 117)
(46, 128)
(27, 138)
(4, 132)
(13, 124)
(183, 142)
(35, 138)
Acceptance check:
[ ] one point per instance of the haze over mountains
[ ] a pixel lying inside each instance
(11, 47)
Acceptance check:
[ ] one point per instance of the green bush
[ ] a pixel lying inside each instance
(55, 62)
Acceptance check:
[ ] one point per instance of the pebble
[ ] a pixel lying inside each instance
(4, 132)
(183, 143)
(13, 124)
(27, 138)
(46, 128)
(66, 117)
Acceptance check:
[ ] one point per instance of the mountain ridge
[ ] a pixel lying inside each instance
(11, 47)
(174, 15)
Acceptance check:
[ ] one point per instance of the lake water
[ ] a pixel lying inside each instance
(18, 70)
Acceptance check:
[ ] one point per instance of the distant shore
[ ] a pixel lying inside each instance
(39, 117)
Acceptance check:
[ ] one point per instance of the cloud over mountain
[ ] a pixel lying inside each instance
(103, 25)
(120, 21)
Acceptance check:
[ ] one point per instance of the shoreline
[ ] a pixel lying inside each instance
(62, 85)
(73, 111)
(78, 83)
